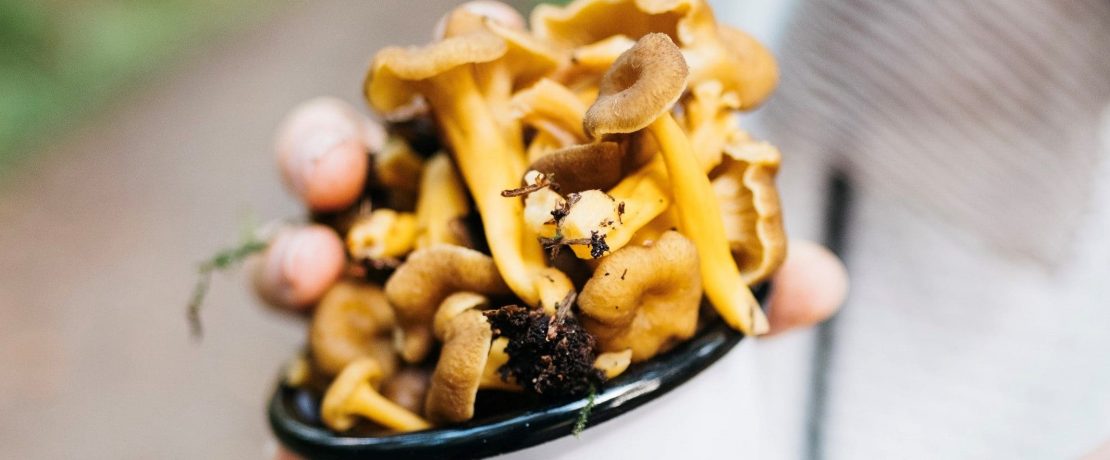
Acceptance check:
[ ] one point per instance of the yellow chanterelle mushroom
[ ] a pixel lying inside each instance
(352, 395)
(468, 80)
(637, 94)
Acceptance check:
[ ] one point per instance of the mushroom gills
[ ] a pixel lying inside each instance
(352, 395)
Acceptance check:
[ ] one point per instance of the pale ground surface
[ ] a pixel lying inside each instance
(101, 235)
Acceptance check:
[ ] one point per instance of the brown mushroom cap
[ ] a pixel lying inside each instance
(441, 204)
(352, 321)
(583, 167)
(641, 85)
(427, 277)
(552, 109)
(458, 373)
(644, 298)
(334, 408)
(391, 85)
(462, 302)
(745, 189)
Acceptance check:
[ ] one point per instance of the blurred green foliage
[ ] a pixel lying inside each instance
(62, 59)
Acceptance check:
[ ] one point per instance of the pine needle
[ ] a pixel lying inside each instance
(584, 414)
(222, 260)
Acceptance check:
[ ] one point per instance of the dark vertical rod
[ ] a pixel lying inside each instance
(836, 237)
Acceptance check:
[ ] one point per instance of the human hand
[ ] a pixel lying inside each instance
(809, 287)
(322, 154)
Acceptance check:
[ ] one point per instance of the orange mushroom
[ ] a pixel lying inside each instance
(467, 81)
(644, 299)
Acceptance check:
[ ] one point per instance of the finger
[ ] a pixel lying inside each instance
(283, 454)
(299, 266)
(499, 12)
(808, 288)
(1101, 452)
(322, 152)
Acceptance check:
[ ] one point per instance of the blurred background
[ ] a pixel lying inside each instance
(135, 138)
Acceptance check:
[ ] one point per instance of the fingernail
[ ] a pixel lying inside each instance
(336, 178)
(307, 153)
(310, 264)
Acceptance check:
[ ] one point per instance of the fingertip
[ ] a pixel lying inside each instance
(499, 12)
(300, 265)
(312, 264)
(809, 288)
(336, 179)
(283, 454)
(322, 152)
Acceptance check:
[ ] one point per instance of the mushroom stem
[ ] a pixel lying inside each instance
(553, 109)
(488, 165)
(700, 220)
(442, 200)
(377, 408)
(495, 81)
(420, 285)
(645, 196)
(552, 286)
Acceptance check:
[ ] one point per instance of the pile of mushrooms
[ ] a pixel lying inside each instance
(544, 208)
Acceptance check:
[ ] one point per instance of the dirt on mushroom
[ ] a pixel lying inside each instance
(555, 365)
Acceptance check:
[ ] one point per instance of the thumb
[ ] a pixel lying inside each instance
(810, 287)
